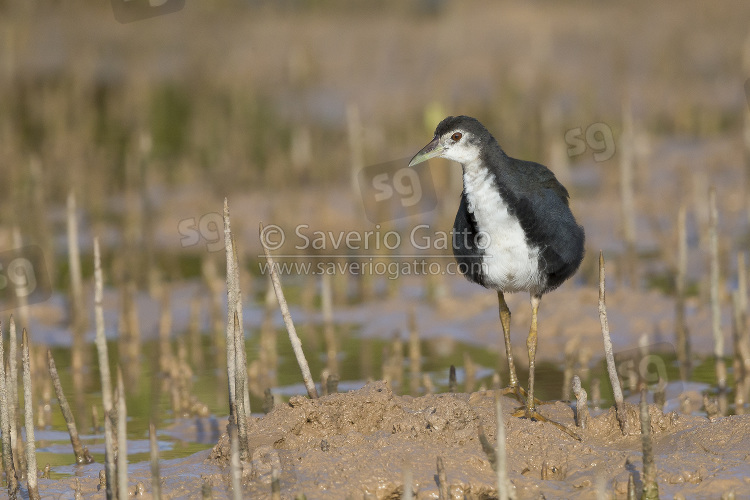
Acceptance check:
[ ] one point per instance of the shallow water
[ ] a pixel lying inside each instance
(360, 360)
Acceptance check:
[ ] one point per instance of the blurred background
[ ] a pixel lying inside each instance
(282, 106)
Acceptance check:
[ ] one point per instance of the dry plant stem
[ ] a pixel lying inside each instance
(235, 335)
(293, 338)
(718, 334)
(443, 487)
(470, 372)
(452, 382)
(231, 308)
(275, 484)
(12, 383)
(21, 291)
(155, 475)
(206, 491)
(332, 384)
(415, 357)
(240, 380)
(356, 150)
(194, 332)
(582, 409)
(683, 341)
(103, 356)
(76, 292)
(235, 470)
(650, 488)
(29, 419)
(627, 160)
(611, 368)
(5, 424)
(240, 361)
(408, 493)
(165, 331)
(326, 298)
(122, 440)
(631, 487)
(503, 486)
(744, 326)
(78, 450)
(741, 353)
(487, 447)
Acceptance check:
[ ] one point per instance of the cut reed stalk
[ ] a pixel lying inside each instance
(28, 405)
(443, 487)
(5, 425)
(165, 330)
(650, 487)
(275, 484)
(470, 373)
(235, 470)
(627, 197)
(408, 492)
(681, 331)
(329, 331)
(194, 333)
(631, 487)
(241, 381)
(293, 338)
(716, 329)
(22, 292)
(103, 356)
(501, 467)
(356, 150)
(609, 355)
(239, 340)
(452, 382)
(582, 409)
(415, 356)
(154, 451)
(76, 292)
(122, 439)
(744, 327)
(81, 453)
(268, 357)
(14, 407)
(231, 312)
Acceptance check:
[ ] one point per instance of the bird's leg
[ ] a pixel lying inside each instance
(531, 346)
(505, 320)
(514, 388)
(529, 411)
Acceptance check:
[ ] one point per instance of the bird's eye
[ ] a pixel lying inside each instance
(456, 137)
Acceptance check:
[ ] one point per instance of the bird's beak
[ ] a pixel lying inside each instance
(433, 149)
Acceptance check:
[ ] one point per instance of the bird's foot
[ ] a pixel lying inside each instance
(520, 394)
(532, 414)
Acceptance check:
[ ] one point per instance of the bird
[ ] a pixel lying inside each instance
(514, 230)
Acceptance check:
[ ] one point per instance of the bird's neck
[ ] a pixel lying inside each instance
(479, 184)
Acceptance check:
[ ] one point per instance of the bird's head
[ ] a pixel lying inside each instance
(457, 138)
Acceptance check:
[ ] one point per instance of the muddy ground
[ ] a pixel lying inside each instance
(360, 444)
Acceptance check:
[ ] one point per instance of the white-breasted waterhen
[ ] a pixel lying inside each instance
(514, 230)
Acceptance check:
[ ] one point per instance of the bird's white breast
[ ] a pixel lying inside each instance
(510, 264)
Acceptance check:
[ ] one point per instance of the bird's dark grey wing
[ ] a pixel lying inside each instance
(468, 256)
(541, 206)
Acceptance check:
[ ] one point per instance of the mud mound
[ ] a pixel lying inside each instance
(359, 444)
